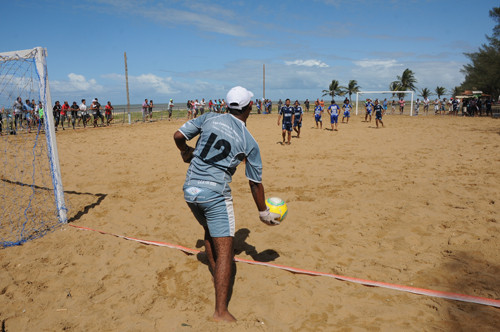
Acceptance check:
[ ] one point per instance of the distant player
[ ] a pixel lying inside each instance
(334, 111)
(347, 110)
(318, 111)
(297, 123)
(384, 105)
(206, 190)
(288, 114)
(369, 109)
(379, 110)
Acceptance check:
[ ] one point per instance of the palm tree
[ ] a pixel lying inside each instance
(334, 89)
(394, 86)
(351, 88)
(407, 80)
(425, 93)
(456, 91)
(440, 91)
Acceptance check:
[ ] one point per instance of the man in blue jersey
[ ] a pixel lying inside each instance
(369, 109)
(223, 144)
(379, 110)
(334, 111)
(297, 123)
(347, 110)
(288, 114)
(318, 111)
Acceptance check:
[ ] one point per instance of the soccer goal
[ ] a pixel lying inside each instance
(31, 191)
(392, 93)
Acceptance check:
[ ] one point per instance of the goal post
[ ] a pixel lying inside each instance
(31, 189)
(381, 92)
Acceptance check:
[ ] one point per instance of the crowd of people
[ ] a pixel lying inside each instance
(29, 115)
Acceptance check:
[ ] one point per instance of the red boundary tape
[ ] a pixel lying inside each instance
(408, 289)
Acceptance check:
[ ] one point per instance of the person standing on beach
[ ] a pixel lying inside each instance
(84, 114)
(150, 110)
(297, 123)
(288, 114)
(74, 113)
(56, 113)
(417, 106)
(306, 104)
(379, 110)
(223, 143)
(347, 110)
(108, 112)
(401, 105)
(170, 109)
(318, 111)
(145, 106)
(426, 105)
(369, 109)
(334, 111)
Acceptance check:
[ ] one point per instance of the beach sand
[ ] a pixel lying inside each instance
(415, 203)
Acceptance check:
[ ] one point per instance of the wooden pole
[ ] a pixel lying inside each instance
(264, 81)
(128, 96)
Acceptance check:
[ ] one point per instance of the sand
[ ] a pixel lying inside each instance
(415, 203)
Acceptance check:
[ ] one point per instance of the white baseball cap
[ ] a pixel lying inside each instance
(238, 97)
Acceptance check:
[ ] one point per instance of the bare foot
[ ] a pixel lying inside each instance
(225, 317)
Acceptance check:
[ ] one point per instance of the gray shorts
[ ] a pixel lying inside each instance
(213, 211)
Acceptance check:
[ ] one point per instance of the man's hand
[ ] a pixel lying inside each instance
(268, 218)
(187, 154)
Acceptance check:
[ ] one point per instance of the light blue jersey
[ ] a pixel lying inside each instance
(223, 144)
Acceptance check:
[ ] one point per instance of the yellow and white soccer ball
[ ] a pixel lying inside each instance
(278, 206)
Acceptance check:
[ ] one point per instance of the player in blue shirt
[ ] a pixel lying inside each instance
(224, 142)
(379, 110)
(369, 109)
(347, 110)
(288, 114)
(334, 111)
(297, 123)
(318, 111)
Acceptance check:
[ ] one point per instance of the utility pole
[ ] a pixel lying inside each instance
(264, 81)
(128, 96)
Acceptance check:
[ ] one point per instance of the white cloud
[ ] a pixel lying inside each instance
(147, 83)
(76, 83)
(307, 63)
(378, 64)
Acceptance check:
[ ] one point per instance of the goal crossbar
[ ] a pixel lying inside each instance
(393, 92)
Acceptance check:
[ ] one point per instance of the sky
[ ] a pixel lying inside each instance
(200, 49)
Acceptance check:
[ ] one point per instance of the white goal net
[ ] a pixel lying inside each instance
(31, 192)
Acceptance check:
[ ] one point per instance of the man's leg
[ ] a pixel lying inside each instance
(224, 256)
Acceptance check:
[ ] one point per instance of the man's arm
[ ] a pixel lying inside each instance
(258, 195)
(279, 116)
(186, 150)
